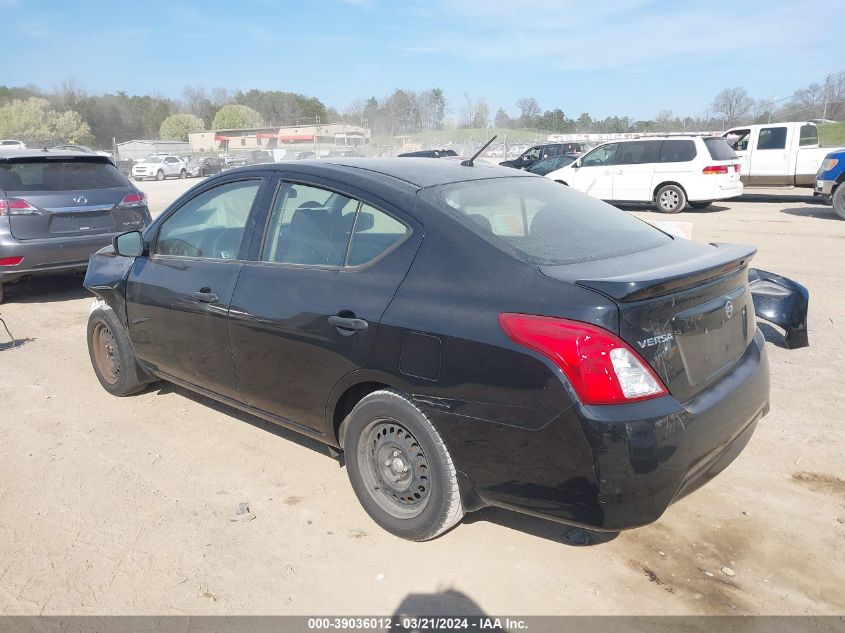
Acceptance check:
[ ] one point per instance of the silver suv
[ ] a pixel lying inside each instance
(59, 207)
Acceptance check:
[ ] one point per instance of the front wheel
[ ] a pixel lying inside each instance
(159, 175)
(839, 201)
(670, 199)
(400, 468)
(701, 205)
(111, 354)
(183, 174)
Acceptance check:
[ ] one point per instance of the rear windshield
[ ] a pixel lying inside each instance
(543, 222)
(59, 175)
(719, 149)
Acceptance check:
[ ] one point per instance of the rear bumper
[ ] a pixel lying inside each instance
(612, 467)
(65, 254)
(716, 188)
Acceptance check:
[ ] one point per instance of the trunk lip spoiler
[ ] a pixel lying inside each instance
(661, 277)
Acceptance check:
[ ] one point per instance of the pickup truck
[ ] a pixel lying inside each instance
(778, 154)
(829, 181)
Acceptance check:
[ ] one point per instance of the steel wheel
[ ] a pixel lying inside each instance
(395, 468)
(105, 353)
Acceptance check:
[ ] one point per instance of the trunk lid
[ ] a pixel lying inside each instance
(684, 307)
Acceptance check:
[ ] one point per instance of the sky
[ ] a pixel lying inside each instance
(624, 57)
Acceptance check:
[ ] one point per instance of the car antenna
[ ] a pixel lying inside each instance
(468, 162)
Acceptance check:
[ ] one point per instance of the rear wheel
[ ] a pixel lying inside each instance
(701, 205)
(839, 201)
(111, 354)
(670, 199)
(400, 468)
(159, 175)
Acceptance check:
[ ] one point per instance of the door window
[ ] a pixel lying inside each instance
(601, 156)
(212, 225)
(309, 226)
(531, 154)
(375, 233)
(638, 152)
(809, 135)
(772, 138)
(738, 139)
(677, 151)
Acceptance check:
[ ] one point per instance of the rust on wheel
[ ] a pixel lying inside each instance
(105, 353)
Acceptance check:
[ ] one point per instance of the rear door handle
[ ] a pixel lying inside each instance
(349, 324)
(205, 296)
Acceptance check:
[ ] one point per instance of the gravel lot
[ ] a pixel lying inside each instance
(125, 506)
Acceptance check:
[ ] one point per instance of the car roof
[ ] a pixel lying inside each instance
(419, 172)
(12, 154)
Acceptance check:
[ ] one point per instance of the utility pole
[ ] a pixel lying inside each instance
(826, 97)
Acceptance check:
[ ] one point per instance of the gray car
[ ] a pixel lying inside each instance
(59, 207)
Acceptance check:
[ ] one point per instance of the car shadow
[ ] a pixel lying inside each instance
(713, 208)
(785, 197)
(48, 289)
(822, 213)
(542, 528)
(443, 603)
(163, 388)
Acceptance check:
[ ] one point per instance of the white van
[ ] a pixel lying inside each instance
(668, 171)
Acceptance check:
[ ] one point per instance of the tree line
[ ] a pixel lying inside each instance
(70, 114)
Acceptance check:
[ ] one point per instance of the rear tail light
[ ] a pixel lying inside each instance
(715, 169)
(601, 367)
(10, 261)
(17, 206)
(134, 199)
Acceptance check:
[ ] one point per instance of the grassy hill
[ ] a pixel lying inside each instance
(832, 134)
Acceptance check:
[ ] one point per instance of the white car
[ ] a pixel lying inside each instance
(11, 143)
(668, 171)
(160, 166)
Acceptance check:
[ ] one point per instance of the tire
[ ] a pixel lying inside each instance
(202, 173)
(183, 174)
(386, 436)
(111, 354)
(839, 200)
(700, 205)
(159, 175)
(670, 199)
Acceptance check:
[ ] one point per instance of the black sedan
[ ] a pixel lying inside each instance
(203, 166)
(466, 335)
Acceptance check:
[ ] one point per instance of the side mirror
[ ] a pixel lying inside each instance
(129, 244)
(577, 163)
(365, 222)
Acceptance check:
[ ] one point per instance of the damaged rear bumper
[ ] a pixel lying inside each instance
(783, 302)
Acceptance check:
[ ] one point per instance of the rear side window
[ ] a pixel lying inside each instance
(638, 152)
(56, 175)
(541, 222)
(809, 135)
(719, 149)
(677, 151)
(772, 138)
(375, 232)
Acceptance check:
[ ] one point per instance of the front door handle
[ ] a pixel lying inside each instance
(205, 296)
(348, 325)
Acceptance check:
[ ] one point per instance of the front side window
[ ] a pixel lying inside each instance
(677, 151)
(532, 154)
(772, 138)
(212, 225)
(541, 222)
(601, 156)
(638, 152)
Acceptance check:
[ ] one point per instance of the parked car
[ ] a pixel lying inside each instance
(829, 179)
(10, 143)
(255, 157)
(204, 166)
(669, 172)
(56, 208)
(778, 153)
(546, 165)
(429, 153)
(159, 167)
(582, 366)
(539, 152)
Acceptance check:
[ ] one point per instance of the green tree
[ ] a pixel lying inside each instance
(176, 127)
(35, 121)
(235, 116)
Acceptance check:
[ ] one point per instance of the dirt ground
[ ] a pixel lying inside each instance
(126, 506)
